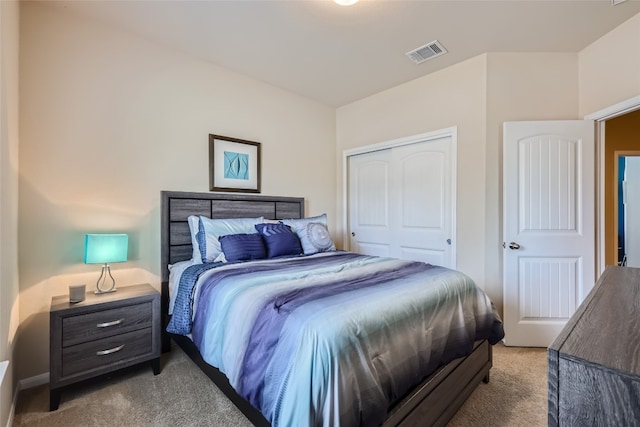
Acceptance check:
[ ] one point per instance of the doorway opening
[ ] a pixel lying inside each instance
(627, 207)
(610, 123)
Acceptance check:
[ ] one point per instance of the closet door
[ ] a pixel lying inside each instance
(401, 202)
(421, 209)
(369, 200)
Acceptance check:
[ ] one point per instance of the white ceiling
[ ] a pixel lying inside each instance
(337, 54)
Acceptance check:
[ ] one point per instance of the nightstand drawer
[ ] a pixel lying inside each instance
(106, 351)
(92, 326)
(102, 334)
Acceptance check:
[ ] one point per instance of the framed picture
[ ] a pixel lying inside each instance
(234, 164)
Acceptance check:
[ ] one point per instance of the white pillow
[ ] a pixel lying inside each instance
(209, 230)
(193, 221)
(175, 273)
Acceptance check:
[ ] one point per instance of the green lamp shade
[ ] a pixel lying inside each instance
(105, 248)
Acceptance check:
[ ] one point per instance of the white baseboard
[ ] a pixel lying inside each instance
(12, 411)
(4, 365)
(33, 381)
(3, 369)
(23, 385)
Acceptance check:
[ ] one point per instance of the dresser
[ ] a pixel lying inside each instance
(101, 334)
(594, 364)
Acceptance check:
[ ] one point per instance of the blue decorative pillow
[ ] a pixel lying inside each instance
(279, 239)
(242, 247)
(315, 237)
(209, 230)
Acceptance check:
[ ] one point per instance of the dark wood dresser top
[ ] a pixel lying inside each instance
(606, 327)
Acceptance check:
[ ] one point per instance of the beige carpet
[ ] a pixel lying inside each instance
(516, 394)
(183, 396)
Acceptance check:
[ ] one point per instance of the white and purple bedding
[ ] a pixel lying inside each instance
(333, 338)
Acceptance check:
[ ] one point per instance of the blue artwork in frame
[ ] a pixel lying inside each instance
(234, 164)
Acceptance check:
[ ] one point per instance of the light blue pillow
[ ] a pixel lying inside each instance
(209, 230)
(298, 224)
(314, 238)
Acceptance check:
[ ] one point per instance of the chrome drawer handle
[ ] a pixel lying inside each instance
(111, 350)
(107, 324)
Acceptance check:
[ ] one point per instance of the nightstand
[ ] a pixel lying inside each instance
(101, 334)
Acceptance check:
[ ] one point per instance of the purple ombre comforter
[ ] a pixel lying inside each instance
(333, 338)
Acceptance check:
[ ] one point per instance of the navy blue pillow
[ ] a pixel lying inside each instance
(242, 247)
(279, 239)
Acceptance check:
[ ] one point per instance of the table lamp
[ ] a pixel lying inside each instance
(105, 249)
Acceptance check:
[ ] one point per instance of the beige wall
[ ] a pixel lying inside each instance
(477, 96)
(520, 86)
(108, 120)
(9, 46)
(455, 96)
(622, 135)
(609, 69)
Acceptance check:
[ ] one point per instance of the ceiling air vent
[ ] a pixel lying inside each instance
(428, 51)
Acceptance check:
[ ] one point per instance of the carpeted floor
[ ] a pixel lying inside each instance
(516, 394)
(183, 396)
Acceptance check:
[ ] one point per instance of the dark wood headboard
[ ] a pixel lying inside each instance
(178, 205)
(175, 237)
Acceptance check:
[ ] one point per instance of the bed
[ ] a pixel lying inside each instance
(410, 398)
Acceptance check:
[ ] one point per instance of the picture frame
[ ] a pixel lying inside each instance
(234, 164)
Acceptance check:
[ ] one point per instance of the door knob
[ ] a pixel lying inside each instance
(514, 246)
(353, 234)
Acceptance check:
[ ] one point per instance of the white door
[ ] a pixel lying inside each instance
(549, 228)
(369, 199)
(401, 202)
(632, 210)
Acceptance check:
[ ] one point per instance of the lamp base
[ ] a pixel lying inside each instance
(101, 284)
(108, 291)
